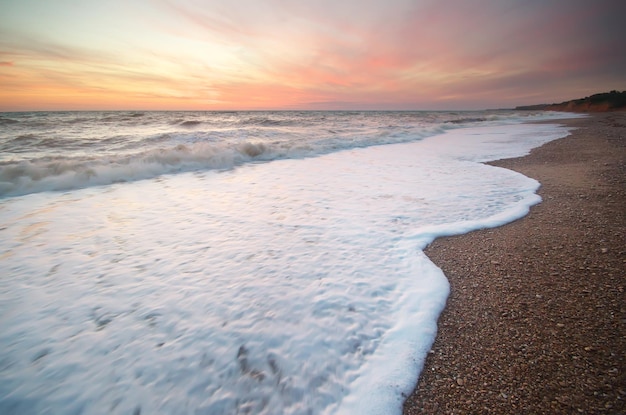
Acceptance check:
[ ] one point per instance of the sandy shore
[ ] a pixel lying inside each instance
(536, 319)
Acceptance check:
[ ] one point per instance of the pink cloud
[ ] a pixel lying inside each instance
(400, 53)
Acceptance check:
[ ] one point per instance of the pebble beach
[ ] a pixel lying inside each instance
(536, 317)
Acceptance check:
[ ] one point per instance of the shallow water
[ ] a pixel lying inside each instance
(291, 287)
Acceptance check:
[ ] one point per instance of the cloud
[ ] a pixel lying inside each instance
(284, 54)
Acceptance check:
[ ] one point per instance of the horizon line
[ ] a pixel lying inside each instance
(258, 110)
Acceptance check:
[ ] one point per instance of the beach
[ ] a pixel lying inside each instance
(266, 263)
(536, 317)
(211, 262)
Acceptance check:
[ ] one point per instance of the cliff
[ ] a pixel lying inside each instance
(608, 101)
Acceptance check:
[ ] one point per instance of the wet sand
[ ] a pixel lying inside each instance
(536, 318)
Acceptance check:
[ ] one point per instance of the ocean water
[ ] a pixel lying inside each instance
(241, 262)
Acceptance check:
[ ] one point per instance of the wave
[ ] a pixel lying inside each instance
(467, 120)
(190, 123)
(267, 121)
(8, 121)
(64, 173)
(25, 138)
(121, 117)
(61, 173)
(63, 160)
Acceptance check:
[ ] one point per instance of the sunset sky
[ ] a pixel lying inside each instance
(307, 54)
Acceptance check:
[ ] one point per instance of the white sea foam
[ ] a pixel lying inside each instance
(290, 287)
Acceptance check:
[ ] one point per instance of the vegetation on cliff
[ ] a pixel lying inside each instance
(607, 101)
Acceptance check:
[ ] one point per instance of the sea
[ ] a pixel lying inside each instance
(238, 262)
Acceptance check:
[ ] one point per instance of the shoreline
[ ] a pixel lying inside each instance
(536, 317)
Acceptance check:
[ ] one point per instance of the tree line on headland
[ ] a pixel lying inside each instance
(607, 101)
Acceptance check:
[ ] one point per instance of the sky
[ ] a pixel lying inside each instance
(307, 54)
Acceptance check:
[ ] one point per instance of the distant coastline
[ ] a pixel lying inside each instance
(603, 102)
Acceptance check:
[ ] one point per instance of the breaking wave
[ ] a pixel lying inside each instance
(66, 173)
(52, 151)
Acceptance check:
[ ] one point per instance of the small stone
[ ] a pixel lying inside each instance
(604, 250)
(460, 381)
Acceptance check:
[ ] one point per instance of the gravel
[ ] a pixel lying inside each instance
(536, 318)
